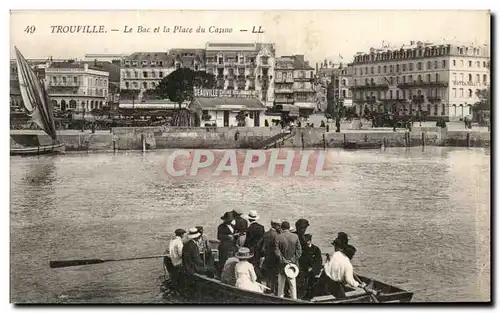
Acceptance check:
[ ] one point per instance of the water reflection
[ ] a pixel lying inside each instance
(419, 219)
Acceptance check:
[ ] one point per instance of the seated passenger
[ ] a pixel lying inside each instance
(228, 275)
(191, 259)
(246, 278)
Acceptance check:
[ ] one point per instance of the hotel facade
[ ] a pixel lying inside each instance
(422, 79)
(76, 86)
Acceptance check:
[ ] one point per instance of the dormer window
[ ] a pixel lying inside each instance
(153, 62)
(145, 62)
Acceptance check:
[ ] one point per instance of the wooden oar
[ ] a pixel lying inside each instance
(372, 296)
(68, 263)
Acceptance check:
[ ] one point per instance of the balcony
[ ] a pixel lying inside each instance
(422, 84)
(282, 100)
(371, 87)
(65, 84)
(304, 79)
(434, 99)
(283, 90)
(303, 90)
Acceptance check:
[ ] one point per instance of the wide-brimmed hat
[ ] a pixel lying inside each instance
(179, 232)
(228, 216)
(193, 233)
(302, 223)
(252, 215)
(243, 253)
(291, 270)
(341, 240)
(276, 221)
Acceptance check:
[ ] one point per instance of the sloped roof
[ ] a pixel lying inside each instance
(112, 69)
(300, 64)
(227, 103)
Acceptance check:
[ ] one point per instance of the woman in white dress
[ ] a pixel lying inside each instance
(246, 278)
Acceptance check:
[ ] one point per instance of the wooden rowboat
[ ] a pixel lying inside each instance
(49, 149)
(211, 290)
(362, 145)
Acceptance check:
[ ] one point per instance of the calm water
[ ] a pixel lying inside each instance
(419, 219)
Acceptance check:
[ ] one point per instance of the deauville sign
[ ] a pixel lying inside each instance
(216, 93)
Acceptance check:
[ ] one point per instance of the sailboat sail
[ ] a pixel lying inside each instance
(35, 97)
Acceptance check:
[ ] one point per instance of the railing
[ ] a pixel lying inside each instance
(278, 100)
(422, 83)
(65, 84)
(371, 86)
(266, 144)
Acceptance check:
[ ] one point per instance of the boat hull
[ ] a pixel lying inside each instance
(362, 145)
(48, 149)
(203, 289)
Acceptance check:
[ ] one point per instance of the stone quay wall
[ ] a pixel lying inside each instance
(153, 138)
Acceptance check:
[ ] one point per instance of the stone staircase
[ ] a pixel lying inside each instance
(270, 142)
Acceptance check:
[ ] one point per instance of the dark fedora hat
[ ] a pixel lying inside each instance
(341, 240)
(301, 223)
(228, 216)
(179, 232)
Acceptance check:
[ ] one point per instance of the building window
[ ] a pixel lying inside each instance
(419, 78)
(391, 80)
(461, 77)
(397, 94)
(127, 84)
(145, 74)
(454, 63)
(470, 93)
(404, 79)
(454, 92)
(477, 78)
(145, 84)
(385, 68)
(410, 79)
(221, 60)
(390, 94)
(136, 74)
(372, 70)
(390, 68)
(378, 69)
(355, 71)
(461, 92)
(397, 67)
(484, 64)
(355, 82)
(485, 79)
(437, 77)
(435, 64)
(404, 67)
(429, 65)
(443, 64)
(478, 63)
(470, 63)
(64, 80)
(410, 66)
(470, 77)
(461, 63)
(75, 79)
(428, 77)
(366, 81)
(419, 66)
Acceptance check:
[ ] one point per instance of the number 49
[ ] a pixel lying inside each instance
(30, 29)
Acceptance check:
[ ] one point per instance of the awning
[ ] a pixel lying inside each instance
(291, 109)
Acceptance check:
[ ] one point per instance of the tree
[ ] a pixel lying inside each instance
(241, 118)
(484, 100)
(179, 87)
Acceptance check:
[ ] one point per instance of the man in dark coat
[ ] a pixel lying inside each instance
(300, 230)
(288, 250)
(226, 236)
(310, 264)
(255, 232)
(191, 260)
(270, 264)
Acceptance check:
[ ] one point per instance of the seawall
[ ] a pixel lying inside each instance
(152, 138)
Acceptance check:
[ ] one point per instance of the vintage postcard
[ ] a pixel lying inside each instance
(293, 157)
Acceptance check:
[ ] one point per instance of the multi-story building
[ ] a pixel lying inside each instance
(39, 66)
(284, 81)
(243, 66)
(343, 82)
(76, 86)
(142, 71)
(423, 79)
(304, 95)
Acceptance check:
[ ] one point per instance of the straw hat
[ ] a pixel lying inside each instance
(193, 233)
(243, 253)
(291, 270)
(252, 215)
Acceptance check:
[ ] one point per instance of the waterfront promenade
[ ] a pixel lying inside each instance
(154, 138)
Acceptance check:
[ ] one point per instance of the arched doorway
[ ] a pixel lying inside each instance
(83, 105)
(92, 104)
(100, 105)
(63, 105)
(72, 104)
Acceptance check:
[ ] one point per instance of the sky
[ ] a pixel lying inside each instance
(316, 34)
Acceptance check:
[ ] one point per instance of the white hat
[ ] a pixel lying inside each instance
(252, 215)
(291, 270)
(193, 233)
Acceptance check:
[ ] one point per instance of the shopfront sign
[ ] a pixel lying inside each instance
(232, 93)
